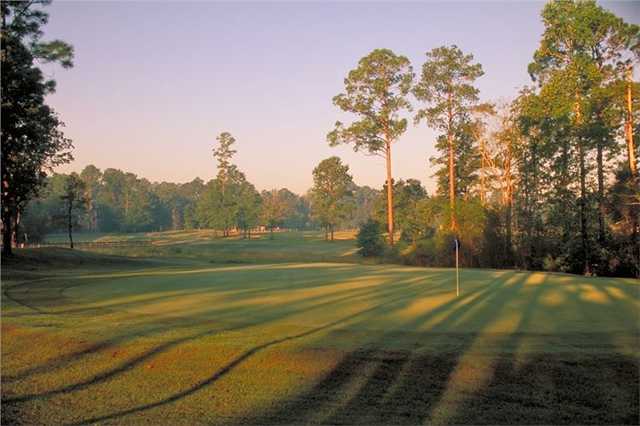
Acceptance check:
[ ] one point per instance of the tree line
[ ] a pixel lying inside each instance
(116, 201)
(542, 182)
(547, 180)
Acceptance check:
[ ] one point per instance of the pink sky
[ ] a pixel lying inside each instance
(155, 82)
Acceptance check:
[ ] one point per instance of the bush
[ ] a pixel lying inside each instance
(370, 239)
(556, 264)
(425, 253)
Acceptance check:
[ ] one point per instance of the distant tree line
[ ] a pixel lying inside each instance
(116, 201)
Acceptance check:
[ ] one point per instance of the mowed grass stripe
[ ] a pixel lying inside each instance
(212, 330)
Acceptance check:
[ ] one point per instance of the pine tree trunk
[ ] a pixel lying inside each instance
(628, 127)
(482, 172)
(601, 207)
(7, 231)
(509, 235)
(69, 223)
(565, 180)
(16, 226)
(633, 168)
(583, 210)
(389, 194)
(452, 184)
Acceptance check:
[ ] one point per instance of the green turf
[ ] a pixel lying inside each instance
(209, 246)
(94, 339)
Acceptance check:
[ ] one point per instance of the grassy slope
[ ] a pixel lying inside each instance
(203, 245)
(184, 342)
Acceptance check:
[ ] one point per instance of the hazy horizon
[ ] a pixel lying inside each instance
(155, 83)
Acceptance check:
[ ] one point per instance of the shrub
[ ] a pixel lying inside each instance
(370, 239)
(425, 252)
(556, 264)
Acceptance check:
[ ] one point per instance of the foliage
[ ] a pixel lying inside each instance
(74, 202)
(275, 208)
(569, 126)
(369, 239)
(331, 199)
(446, 87)
(376, 93)
(32, 139)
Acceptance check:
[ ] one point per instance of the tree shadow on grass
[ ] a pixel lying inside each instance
(244, 356)
(369, 387)
(376, 387)
(578, 378)
(228, 317)
(381, 292)
(372, 386)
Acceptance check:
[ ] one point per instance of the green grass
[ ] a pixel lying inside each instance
(89, 338)
(84, 237)
(206, 245)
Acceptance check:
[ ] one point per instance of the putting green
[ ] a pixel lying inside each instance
(312, 343)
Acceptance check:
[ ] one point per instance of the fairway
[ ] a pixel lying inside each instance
(329, 343)
(320, 213)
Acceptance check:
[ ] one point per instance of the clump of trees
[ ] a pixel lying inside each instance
(544, 182)
(571, 127)
(331, 196)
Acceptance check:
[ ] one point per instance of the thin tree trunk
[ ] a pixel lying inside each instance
(482, 172)
(6, 235)
(508, 199)
(452, 184)
(509, 236)
(389, 194)
(564, 184)
(331, 232)
(7, 231)
(452, 176)
(583, 211)
(601, 207)
(70, 224)
(583, 189)
(628, 127)
(15, 229)
(633, 167)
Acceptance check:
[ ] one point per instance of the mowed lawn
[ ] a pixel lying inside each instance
(92, 339)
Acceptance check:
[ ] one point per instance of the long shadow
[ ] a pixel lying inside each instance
(104, 376)
(225, 370)
(221, 314)
(371, 386)
(132, 363)
(54, 293)
(576, 386)
(247, 354)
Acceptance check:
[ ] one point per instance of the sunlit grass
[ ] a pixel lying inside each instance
(159, 341)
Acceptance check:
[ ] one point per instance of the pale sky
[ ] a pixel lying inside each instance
(155, 82)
